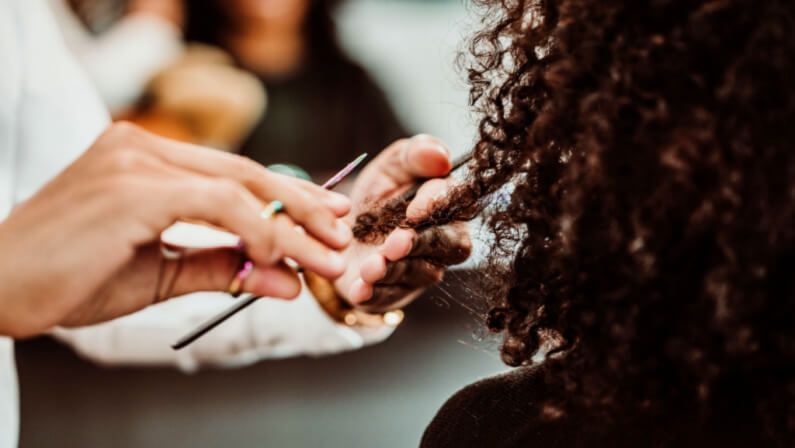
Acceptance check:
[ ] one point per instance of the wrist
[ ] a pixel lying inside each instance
(16, 320)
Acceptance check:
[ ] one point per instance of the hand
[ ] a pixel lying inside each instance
(85, 248)
(391, 274)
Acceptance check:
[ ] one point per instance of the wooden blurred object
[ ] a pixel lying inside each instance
(164, 124)
(202, 99)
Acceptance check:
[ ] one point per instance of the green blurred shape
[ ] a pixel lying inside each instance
(290, 170)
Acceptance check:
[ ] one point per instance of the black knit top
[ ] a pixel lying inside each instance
(510, 411)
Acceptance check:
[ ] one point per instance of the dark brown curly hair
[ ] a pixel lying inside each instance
(648, 239)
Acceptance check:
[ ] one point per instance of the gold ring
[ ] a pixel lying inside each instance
(240, 278)
(271, 209)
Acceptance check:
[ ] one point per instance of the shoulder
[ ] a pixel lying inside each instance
(519, 409)
(500, 411)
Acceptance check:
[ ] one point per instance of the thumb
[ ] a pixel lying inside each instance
(419, 157)
(214, 270)
(211, 259)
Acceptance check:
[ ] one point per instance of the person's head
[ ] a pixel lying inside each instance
(650, 235)
(274, 14)
(215, 21)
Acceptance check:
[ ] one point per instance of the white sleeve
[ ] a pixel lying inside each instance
(122, 60)
(270, 328)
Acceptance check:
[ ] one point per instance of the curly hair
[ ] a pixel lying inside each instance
(648, 240)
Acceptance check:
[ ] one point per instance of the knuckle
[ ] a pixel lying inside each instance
(397, 146)
(270, 245)
(218, 194)
(198, 190)
(117, 136)
(250, 171)
(293, 289)
(228, 191)
(264, 246)
(276, 234)
(304, 207)
(317, 212)
(127, 161)
(126, 192)
(284, 227)
(124, 129)
(399, 143)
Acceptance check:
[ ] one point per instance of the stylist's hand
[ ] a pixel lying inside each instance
(84, 249)
(391, 274)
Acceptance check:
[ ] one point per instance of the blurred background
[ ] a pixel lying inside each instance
(312, 84)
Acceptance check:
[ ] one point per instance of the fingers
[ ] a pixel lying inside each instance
(427, 196)
(420, 156)
(446, 245)
(309, 209)
(267, 241)
(373, 268)
(273, 281)
(214, 271)
(412, 272)
(384, 297)
(380, 278)
(339, 204)
(360, 292)
(389, 297)
(408, 159)
(289, 241)
(378, 298)
(408, 262)
(316, 209)
(398, 244)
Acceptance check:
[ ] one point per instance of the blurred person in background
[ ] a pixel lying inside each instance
(323, 108)
(202, 98)
(133, 51)
(84, 205)
(316, 95)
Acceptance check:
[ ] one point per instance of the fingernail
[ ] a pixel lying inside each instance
(336, 262)
(442, 149)
(359, 285)
(338, 198)
(411, 245)
(420, 137)
(386, 243)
